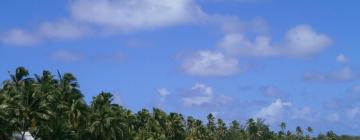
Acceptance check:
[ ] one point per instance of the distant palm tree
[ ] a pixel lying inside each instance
(252, 129)
(331, 135)
(309, 130)
(282, 131)
(235, 132)
(211, 127)
(299, 132)
(176, 127)
(283, 126)
(221, 129)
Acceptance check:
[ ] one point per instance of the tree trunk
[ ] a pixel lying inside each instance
(23, 135)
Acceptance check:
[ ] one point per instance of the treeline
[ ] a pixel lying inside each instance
(52, 107)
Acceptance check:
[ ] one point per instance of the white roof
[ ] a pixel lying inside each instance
(27, 136)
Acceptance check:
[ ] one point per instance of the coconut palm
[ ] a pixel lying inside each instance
(103, 123)
(26, 103)
(221, 129)
(331, 135)
(309, 130)
(299, 132)
(211, 127)
(5, 127)
(176, 127)
(252, 129)
(53, 107)
(235, 132)
(282, 131)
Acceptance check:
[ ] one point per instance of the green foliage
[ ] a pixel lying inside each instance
(52, 107)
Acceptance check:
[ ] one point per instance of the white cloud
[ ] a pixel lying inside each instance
(62, 29)
(66, 56)
(163, 92)
(110, 16)
(342, 58)
(300, 41)
(344, 74)
(19, 37)
(274, 112)
(208, 63)
(135, 14)
(202, 95)
(233, 24)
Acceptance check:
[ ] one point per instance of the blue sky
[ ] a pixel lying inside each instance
(292, 61)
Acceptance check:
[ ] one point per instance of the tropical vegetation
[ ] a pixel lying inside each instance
(52, 107)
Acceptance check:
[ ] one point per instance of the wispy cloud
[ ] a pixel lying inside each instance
(136, 14)
(201, 95)
(67, 56)
(300, 41)
(18, 37)
(342, 75)
(209, 63)
(274, 112)
(88, 17)
(62, 29)
(341, 58)
(73, 56)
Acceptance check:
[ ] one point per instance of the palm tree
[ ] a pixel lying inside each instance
(76, 118)
(283, 126)
(331, 135)
(195, 129)
(26, 103)
(289, 135)
(56, 126)
(282, 131)
(103, 122)
(309, 130)
(159, 123)
(299, 132)
(263, 130)
(142, 126)
(176, 127)
(235, 132)
(221, 129)
(252, 129)
(211, 127)
(5, 129)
